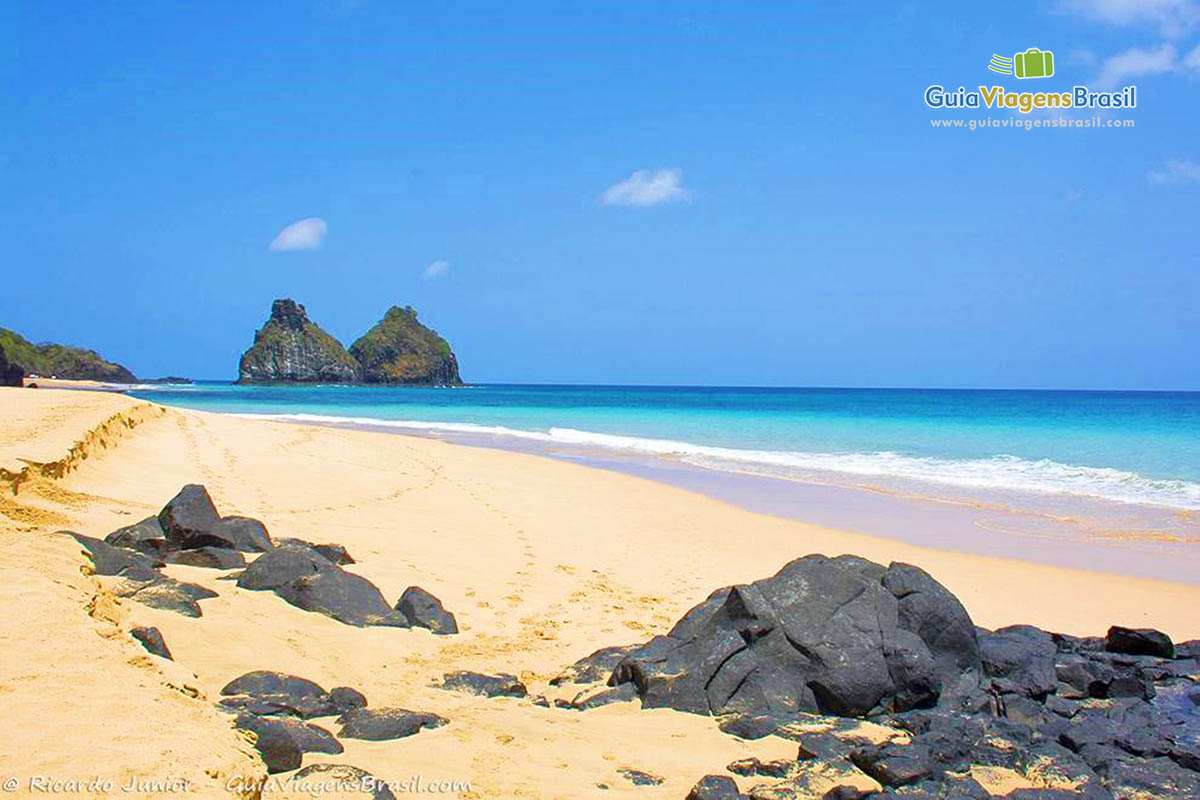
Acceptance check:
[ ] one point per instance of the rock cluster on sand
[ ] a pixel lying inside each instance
(302, 575)
(291, 348)
(1111, 717)
(275, 707)
(189, 530)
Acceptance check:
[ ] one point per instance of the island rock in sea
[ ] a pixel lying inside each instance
(399, 349)
(290, 348)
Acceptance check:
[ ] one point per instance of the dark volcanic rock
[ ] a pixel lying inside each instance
(210, 557)
(423, 610)
(1139, 642)
(399, 349)
(262, 682)
(146, 537)
(378, 724)
(109, 560)
(344, 699)
(152, 640)
(291, 348)
(243, 533)
(593, 668)
(282, 565)
(356, 781)
(499, 685)
(586, 701)
(894, 764)
(189, 517)
(1019, 659)
(282, 741)
(167, 594)
(346, 597)
(749, 726)
(830, 635)
(715, 787)
(639, 778)
(335, 553)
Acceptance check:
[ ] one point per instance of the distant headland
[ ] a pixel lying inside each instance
(398, 350)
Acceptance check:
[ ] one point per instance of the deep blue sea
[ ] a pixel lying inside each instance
(1125, 447)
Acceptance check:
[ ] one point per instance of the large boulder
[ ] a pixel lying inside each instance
(346, 597)
(839, 636)
(423, 610)
(209, 557)
(188, 519)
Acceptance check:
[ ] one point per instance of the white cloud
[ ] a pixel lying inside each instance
(436, 269)
(303, 234)
(1135, 62)
(1171, 17)
(1177, 172)
(647, 188)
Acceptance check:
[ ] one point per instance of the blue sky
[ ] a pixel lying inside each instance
(626, 193)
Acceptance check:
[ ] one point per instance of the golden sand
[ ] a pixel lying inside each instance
(542, 562)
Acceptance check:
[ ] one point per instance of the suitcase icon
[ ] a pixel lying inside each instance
(1034, 63)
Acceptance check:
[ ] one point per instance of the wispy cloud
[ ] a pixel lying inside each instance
(647, 188)
(436, 269)
(1172, 18)
(1135, 62)
(303, 234)
(1176, 172)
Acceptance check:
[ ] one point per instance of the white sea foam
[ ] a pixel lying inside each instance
(1001, 472)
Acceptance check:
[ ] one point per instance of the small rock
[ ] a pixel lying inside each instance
(168, 594)
(714, 787)
(110, 560)
(282, 741)
(499, 685)
(208, 557)
(593, 668)
(262, 682)
(639, 778)
(619, 694)
(423, 610)
(281, 566)
(146, 537)
(1139, 642)
(344, 596)
(894, 764)
(344, 699)
(386, 723)
(243, 534)
(152, 640)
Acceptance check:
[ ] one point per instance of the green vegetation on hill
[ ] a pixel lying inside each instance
(61, 361)
(291, 348)
(401, 350)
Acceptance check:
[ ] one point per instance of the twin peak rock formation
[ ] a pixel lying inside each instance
(291, 348)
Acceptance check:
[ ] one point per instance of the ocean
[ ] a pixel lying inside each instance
(1119, 465)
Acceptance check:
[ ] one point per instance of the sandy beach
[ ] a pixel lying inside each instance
(541, 561)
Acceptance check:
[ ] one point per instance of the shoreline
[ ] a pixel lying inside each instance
(945, 524)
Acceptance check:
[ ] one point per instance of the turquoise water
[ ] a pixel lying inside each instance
(1125, 447)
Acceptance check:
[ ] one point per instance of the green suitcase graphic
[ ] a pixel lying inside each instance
(1034, 63)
